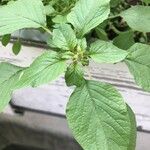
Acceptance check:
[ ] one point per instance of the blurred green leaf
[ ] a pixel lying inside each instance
(138, 62)
(137, 18)
(49, 9)
(60, 19)
(6, 39)
(114, 3)
(101, 34)
(124, 40)
(16, 47)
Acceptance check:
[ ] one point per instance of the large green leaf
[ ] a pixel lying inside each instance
(99, 118)
(106, 52)
(45, 68)
(138, 62)
(22, 14)
(137, 18)
(74, 75)
(64, 37)
(87, 14)
(8, 78)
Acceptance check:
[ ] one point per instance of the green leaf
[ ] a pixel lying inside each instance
(8, 78)
(66, 55)
(22, 14)
(6, 39)
(101, 34)
(106, 52)
(146, 1)
(119, 41)
(114, 3)
(74, 75)
(87, 14)
(60, 19)
(99, 118)
(45, 68)
(133, 134)
(82, 43)
(64, 37)
(50, 42)
(137, 18)
(104, 24)
(16, 47)
(49, 9)
(138, 62)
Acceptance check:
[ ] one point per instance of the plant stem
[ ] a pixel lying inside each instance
(115, 16)
(47, 30)
(114, 28)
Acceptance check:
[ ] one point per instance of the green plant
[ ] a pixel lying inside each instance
(96, 112)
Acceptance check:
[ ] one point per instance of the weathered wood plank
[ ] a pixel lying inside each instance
(52, 98)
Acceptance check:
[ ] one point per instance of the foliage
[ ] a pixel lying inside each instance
(80, 31)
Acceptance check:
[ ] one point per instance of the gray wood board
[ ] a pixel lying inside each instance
(52, 98)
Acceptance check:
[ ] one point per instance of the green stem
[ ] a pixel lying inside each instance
(114, 28)
(47, 30)
(112, 17)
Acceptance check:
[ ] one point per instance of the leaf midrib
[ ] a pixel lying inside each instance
(94, 105)
(99, 120)
(11, 76)
(44, 69)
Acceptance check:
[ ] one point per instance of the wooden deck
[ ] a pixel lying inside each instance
(52, 98)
